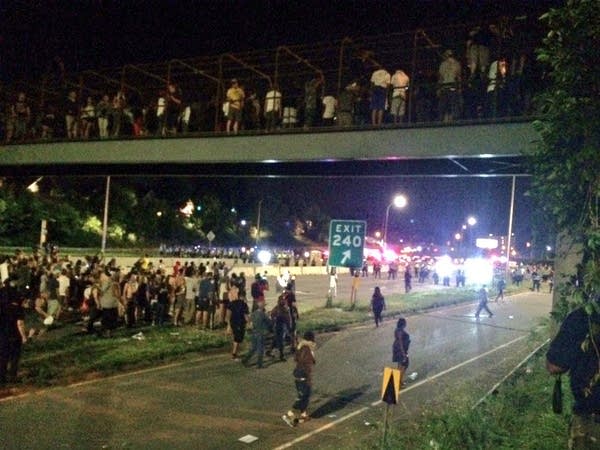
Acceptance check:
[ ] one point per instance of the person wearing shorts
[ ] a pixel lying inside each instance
(237, 318)
(235, 99)
(206, 292)
(380, 82)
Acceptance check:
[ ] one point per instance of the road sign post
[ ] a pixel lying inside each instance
(346, 243)
(211, 237)
(390, 394)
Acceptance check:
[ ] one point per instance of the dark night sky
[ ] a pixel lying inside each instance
(93, 34)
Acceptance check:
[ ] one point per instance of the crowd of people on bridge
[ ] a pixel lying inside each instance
(494, 76)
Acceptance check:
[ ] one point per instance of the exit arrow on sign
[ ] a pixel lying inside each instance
(346, 256)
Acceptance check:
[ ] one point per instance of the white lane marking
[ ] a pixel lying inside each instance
(112, 377)
(379, 402)
(323, 428)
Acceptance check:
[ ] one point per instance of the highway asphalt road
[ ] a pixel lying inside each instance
(211, 402)
(311, 290)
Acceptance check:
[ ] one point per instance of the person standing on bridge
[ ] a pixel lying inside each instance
(380, 83)
(235, 98)
(305, 361)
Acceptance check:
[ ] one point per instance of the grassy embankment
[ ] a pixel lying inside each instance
(60, 357)
(518, 416)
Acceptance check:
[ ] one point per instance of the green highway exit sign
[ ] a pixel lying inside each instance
(346, 242)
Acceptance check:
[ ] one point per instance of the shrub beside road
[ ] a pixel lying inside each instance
(519, 416)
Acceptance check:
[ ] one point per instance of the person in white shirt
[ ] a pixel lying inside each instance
(380, 82)
(329, 106)
(272, 108)
(88, 118)
(160, 113)
(64, 282)
(449, 87)
(399, 84)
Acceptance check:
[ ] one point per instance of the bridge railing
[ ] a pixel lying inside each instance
(138, 100)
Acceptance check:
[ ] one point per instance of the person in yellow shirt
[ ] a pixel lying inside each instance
(235, 98)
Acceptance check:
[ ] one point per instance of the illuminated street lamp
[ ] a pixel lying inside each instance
(471, 222)
(400, 201)
(35, 187)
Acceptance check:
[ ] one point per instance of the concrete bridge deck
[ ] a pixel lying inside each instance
(459, 149)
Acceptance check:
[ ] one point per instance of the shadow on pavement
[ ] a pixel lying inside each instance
(339, 401)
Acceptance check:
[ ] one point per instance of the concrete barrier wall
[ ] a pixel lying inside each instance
(126, 262)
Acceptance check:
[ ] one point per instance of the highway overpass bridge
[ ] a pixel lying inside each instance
(458, 149)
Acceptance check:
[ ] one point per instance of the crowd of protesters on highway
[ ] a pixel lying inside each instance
(45, 291)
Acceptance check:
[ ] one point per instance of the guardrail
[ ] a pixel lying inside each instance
(337, 63)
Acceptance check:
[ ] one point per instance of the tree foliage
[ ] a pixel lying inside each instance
(566, 161)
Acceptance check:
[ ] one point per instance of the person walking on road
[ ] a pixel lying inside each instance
(400, 347)
(261, 325)
(500, 286)
(483, 301)
(12, 331)
(377, 305)
(237, 318)
(407, 280)
(305, 361)
(282, 321)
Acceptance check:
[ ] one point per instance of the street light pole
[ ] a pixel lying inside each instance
(510, 224)
(385, 225)
(258, 223)
(105, 219)
(399, 202)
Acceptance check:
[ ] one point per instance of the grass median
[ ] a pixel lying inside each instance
(62, 356)
(518, 416)
(340, 315)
